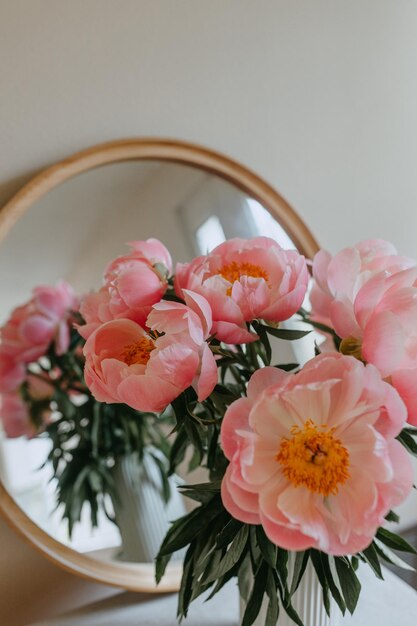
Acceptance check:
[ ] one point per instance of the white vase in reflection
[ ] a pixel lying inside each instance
(142, 515)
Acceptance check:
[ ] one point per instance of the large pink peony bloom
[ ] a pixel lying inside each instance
(244, 280)
(313, 456)
(132, 284)
(126, 364)
(369, 296)
(32, 327)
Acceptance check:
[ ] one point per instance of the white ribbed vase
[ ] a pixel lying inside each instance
(143, 518)
(307, 601)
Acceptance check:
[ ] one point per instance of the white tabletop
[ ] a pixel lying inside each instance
(382, 603)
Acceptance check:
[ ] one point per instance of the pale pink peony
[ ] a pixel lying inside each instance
(369, 295)
(126, 364)
(15, 416)
(244, 280)
(338, 279)
(132, 284)
(313, 455)
(32, 327)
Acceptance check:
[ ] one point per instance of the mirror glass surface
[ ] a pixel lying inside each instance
(72, 233)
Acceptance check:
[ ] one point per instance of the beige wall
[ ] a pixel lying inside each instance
(319, 97)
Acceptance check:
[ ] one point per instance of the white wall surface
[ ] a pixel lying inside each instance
(320, 97)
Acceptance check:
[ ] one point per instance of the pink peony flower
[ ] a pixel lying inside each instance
(12, 373)
(369, 295)
(243, 280)
(126, 364)
(338, 279)
(32, 327)
(15, 417)
(313, 455)
(132, 284)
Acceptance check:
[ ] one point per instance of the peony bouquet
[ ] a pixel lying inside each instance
(43, 393)
(305, 462)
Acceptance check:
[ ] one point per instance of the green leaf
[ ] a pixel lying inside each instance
(349, 583)
(231, 557)
(186, 589)
(267, 548)
(272, 613)
(392, 517)
(202, 492)
(394, 541)
(222, 581)
(194, 435)
(185, 529)
(300, 564)
(408, 442)
(161, 563)
(371, 557)
(318, 566)
(334, 590)
(282, 333)
(389, 556)
(254, 603)
(244, 577)
(355, 562)
(287, 367)
(263, 336)
(292, 613)
(95, 480)
(228, 533)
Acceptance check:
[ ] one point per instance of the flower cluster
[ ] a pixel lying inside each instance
(24, 338)
(148, 361)
(308, 459)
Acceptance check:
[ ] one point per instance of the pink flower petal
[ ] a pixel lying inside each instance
(208, 376)
(264, 378)
(241, 504)
(139, 285)
(383, 342)
(342, 273)
(405, 382)
(236, 418)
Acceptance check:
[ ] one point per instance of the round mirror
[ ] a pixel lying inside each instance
(83, 210)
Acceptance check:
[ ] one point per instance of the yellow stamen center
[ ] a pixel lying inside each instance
(138, 352)
(234, 271)
(314, 458)
(351, 347)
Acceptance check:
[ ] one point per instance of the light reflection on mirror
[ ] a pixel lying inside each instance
(72, 233)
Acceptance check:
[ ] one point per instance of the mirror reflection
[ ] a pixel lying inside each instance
(72, 234)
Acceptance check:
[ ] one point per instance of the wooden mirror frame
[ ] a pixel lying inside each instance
(133, 577)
